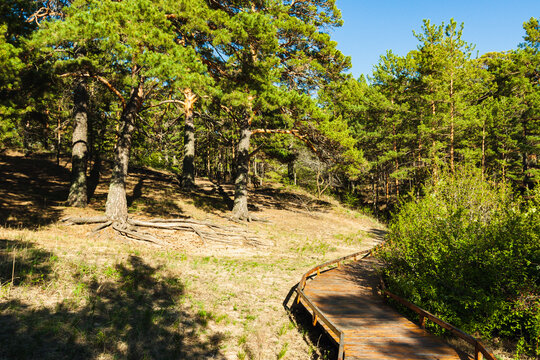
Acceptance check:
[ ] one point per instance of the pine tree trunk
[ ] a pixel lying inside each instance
(377, 179)
(78, 195)
(261, 173)
(256, 177)
(116, 207)
(483, 149)
(240, 208)
(387, 188)
(527, 181)
(291, 172)
(59, 139)
(452, 123)
(396, 162)
(433, 142)
(188, 167)
(373, 193)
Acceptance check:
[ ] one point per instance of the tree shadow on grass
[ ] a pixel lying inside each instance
(218, 198)
(30, 189)
(136, 193)
(209, 196)
(149, 193)
(282, 199)
(22, 263)
(136, 313)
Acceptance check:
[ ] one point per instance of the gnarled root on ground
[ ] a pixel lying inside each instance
(207, 231)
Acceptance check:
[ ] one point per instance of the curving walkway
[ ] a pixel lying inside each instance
(369, 329)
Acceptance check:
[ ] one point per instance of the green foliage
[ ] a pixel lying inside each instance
(13, 15)
(10, 68)
(438, 106)
(469, 252)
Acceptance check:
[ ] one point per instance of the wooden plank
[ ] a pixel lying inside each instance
(345, 297)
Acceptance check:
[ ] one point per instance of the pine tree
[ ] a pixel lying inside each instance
(449, 87)
(515, 126)
(140, 55)
(10, 68)
(277, 56)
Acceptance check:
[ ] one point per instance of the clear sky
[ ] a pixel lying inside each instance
(373, 26)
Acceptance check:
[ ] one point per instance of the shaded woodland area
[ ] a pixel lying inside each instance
(247, 93)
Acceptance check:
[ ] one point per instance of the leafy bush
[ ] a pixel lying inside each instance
(469, 252)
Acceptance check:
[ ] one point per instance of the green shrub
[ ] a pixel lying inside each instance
(469, 252)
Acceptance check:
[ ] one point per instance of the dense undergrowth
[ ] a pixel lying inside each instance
(469, 252)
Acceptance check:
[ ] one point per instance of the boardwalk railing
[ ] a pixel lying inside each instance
(318, 315)
(479, 349)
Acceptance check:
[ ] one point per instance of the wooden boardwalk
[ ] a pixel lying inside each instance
(347, 296)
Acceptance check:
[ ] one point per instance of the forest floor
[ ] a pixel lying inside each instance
(65, 293)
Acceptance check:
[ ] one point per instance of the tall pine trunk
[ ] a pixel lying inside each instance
(527, 180)
(452, 130)
(240, 208)
(396, 161)
(483, 148)
(116, 206)
(78, 195)
(291, 172)
(188, 167)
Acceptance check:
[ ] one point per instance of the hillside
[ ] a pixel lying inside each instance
(81, 295)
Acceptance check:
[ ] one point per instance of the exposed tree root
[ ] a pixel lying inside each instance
(133, 234)
(101, 227)
(80, 221)
(248, 218)
(206, 231)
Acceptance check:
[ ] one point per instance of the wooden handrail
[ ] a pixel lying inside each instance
(318, 315)
(318, 268)
(479, 349)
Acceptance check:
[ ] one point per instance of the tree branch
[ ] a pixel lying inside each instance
(163, 103)
(103, 81)
(292, 132)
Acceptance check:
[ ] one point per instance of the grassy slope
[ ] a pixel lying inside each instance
(81, 296)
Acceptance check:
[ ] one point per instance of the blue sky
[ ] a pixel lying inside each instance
(372, 27)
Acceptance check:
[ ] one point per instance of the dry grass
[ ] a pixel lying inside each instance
(102, 297)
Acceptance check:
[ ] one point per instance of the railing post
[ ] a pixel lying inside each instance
(314, 319)
(477, 353)
(422, 322)
(341, 351)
